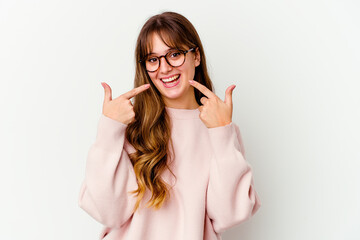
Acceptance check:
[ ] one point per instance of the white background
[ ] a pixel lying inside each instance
(296, 68)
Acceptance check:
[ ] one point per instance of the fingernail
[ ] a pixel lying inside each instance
(191, 81)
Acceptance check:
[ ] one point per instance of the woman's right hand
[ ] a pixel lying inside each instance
(121, 108)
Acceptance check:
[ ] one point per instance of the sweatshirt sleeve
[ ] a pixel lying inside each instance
(231, 196)
(109, 176)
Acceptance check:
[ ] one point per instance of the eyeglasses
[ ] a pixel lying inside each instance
(174, 58)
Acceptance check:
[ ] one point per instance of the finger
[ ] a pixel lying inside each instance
(107, 90)
(202, 89)
(228, 94)
(203, 100)
(136, 91)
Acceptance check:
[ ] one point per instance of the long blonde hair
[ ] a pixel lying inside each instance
(150, 132)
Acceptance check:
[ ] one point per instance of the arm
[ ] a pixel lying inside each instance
(109, 175)
(231, 196)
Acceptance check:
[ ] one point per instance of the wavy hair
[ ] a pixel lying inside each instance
(150, 132)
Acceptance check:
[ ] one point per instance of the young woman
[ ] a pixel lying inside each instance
(174, 147)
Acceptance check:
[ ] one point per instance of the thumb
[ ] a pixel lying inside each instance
(228, 95)
(107, 90)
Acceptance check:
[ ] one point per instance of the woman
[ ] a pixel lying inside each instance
(174, 147)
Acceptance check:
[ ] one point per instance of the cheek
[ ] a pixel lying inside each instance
(152, 77)
(188, 69)
(154, 80)
(189, 66)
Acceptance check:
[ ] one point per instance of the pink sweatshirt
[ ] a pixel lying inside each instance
(214, 189)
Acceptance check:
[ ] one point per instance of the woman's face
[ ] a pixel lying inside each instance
(178, 94)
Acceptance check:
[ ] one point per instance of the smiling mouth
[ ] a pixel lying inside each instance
(168, 80)
(171, 82)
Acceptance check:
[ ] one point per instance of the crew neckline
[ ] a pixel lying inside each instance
(182, 113)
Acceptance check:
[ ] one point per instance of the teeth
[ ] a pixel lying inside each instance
(170, 79)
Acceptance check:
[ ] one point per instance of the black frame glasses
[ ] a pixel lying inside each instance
(165, 56)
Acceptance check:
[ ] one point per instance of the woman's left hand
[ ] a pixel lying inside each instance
(214, 112)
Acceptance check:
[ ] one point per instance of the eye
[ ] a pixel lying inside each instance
(175, 54)
(152, 60)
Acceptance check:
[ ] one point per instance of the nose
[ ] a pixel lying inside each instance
(164, 66)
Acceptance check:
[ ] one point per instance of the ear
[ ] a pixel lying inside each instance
(197, 57)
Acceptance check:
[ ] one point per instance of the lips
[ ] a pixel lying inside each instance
(170, 78)
(172, 83)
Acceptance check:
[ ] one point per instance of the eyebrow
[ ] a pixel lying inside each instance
(166, 50)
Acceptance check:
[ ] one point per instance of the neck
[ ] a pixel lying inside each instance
(188, 102)
(183, 105)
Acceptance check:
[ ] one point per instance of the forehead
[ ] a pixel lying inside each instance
(160, 45)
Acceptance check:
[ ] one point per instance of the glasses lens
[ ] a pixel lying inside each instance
(175, 58)
(151, 63)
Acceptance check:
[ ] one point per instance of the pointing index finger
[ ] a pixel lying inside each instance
(136, 91)
(202, 89)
